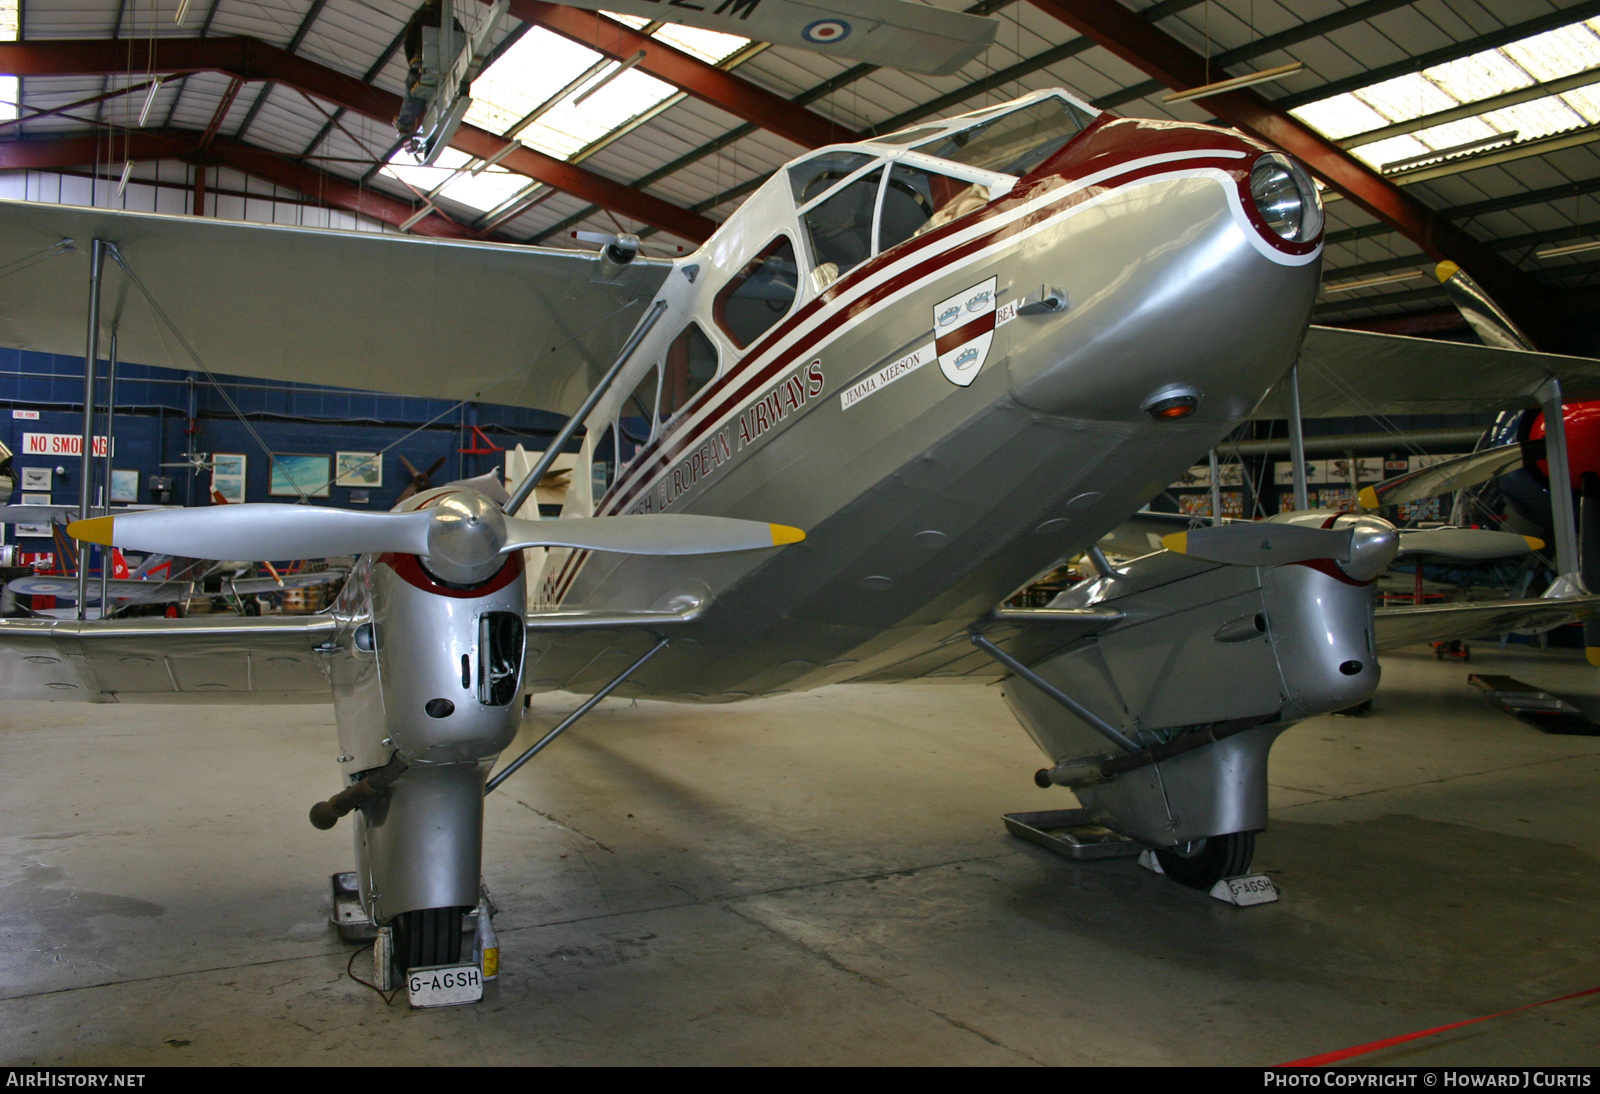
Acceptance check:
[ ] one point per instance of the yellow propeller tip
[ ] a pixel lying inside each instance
(1368, 498)
(93, 530)
(1534, 543)
(1444, 271)
(782, 533)
(1177, 542)
(1593, 654)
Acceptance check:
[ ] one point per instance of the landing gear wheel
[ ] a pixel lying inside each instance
(431, 936)
(1205, 862)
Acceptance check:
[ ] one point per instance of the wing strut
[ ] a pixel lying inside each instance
(1297, 440)
(553, 449)
(1561, 508)
(1097, 723)
(567, 722)
(91, 358)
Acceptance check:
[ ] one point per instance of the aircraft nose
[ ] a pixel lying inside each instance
(1169, 287)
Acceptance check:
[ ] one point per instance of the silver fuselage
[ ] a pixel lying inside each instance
(928, 502)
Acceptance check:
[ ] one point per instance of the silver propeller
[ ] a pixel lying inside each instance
(1261, 543)
(1361, 546)
(1465, 544)
(462, 534)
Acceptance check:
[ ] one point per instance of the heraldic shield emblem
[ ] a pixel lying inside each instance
(963, 328)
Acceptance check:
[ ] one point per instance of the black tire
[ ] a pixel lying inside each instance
(1208, 861)
(431, 936)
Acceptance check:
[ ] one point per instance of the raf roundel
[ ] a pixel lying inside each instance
(826, 31)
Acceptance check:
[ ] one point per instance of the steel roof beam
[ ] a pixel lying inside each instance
(1316, 28)
(1148, 48)
(329, 189)
(1526, 241)
(252, 59)
(294, 45)
(1478, 208)
(704, 81)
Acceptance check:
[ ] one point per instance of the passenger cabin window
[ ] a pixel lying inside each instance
(1014, 143)
(637, 418)
(918, 201)
(841, 226)
(691, 363)
(812, 178)
(603, 464)
(760, 294)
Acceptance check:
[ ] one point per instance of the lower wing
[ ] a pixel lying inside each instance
(1403, 626)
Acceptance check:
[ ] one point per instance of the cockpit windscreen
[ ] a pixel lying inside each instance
(1013, 143)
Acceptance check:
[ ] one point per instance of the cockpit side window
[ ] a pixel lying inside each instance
(917, 201)
(603, 461)
(691, 363)
(637, 417)
(812, 178)
(1013, 143)
(759, 295)
(841, 227)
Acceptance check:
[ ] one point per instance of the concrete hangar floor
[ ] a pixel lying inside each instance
(810, 879)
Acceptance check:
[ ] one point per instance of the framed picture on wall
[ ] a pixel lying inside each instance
(34, 530)
(227, 476)
(294, 475)
(125, 486)
(358, 469)
(36, 478)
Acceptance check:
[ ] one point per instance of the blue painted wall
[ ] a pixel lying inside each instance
(153, 420)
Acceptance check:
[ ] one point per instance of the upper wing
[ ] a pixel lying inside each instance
(1348, 373)
(1403, 626)
(894, 33)
(263, 660)
(524, 326)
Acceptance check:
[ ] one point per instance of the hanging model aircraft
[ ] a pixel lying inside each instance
(952, 356)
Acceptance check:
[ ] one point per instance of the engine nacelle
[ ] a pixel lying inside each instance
(1202, 644)
(431, 673)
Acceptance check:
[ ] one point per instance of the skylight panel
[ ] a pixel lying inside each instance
(1585, 101)
(1405, 97)
(567, 128)
(1390, 151)
(1461, 132)
(1539, 118)
(1479, 76)
(481, 192)
(1340, 116)
(538, 66)
(1557, 53)
(709, 45)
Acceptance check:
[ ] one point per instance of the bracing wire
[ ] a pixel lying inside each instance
(511, 374)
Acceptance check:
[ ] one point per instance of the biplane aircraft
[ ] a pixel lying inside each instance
(904, 378)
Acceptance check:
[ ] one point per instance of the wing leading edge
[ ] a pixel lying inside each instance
(1349, 373)
(524, 326)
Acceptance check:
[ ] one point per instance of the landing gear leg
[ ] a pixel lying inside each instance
(430, 936)
(1203, 863)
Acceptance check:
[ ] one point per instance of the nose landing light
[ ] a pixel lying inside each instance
(1172, 403)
